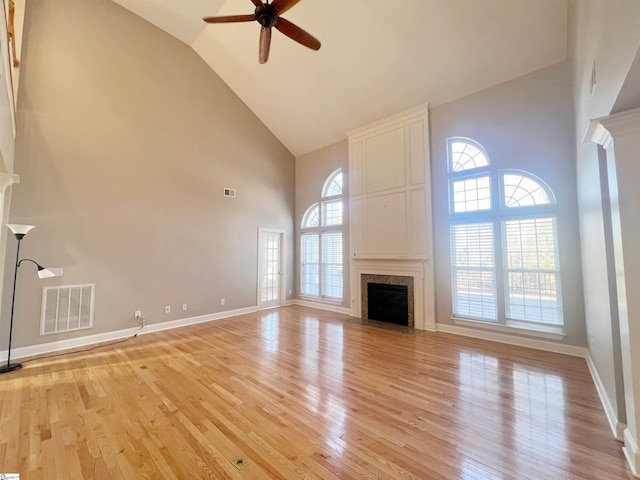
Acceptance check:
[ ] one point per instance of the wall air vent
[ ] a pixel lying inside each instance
(230, 192)
(66, 308)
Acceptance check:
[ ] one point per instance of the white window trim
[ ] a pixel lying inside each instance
(497, 215)
(515, 326)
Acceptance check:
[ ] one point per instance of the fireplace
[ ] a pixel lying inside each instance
(388, 303)
(388, 298)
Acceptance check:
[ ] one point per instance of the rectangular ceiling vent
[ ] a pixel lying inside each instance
(67, 308)
(230, 192)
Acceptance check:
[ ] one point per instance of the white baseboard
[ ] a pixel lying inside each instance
(50, 347)
(630, 450)
(323, 306)
(44, 348)
(514, 340)
(617, 428)
(158, 327)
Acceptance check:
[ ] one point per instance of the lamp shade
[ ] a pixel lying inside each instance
(49, 272)
(20, 229)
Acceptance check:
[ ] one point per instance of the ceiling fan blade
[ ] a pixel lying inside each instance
(265, 44)
(230, 19)
(257, 3)
(282, 6)
(294, 32)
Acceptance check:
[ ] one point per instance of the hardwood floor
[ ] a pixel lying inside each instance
(301, 393)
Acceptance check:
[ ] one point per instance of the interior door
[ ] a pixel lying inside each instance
(270, 268)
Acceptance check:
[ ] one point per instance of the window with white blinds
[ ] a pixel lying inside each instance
(473, 270)
(531, 270)
(504, 257)
(331, 265)
(310, 264)
(321, 248)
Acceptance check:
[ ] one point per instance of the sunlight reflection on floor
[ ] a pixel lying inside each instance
(502, 403)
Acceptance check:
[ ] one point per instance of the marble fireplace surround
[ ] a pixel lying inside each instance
(398, 272)
(406, 281)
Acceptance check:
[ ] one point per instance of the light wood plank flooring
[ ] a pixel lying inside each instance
(301, 393)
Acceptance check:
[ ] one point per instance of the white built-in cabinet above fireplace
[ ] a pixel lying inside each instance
(390, 208)
(390, 204)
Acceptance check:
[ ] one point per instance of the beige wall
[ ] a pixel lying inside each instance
(126, 139)
(525, 124)
(312, 171)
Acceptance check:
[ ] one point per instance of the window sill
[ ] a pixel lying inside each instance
(513, 326)
(328, 301)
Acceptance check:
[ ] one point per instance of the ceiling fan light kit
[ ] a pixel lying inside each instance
(268, 16)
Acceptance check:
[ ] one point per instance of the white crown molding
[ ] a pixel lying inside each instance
(417, 112)
(596, 133)
(623, 123)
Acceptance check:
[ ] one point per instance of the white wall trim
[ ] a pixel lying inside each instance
(623, 123)
(617, 428)
(529, 330)
(158, 327)
(44, 348)
(282, 293)
(514, 340)
(598, 134)
(630, 450)
(391, 121)
(323, 306)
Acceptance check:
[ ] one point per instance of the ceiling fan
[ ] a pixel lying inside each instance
(268, 15)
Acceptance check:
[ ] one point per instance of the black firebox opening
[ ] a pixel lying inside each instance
(388, 303)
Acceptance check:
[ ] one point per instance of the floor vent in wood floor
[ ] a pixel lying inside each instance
(239, 463)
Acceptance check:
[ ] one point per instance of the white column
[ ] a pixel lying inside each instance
(620, 135)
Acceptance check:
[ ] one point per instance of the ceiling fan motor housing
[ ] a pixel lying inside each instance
(266, 15)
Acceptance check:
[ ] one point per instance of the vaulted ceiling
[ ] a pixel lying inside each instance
(378, 57)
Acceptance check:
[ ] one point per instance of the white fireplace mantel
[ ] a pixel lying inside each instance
(419, 270)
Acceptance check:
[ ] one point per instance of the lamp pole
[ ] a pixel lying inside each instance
(20, 231)
(9, 367)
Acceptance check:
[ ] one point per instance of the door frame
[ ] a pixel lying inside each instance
(282, 290)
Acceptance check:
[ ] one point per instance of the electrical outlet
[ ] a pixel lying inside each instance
(184, 307)
(137, 315)
(222, 301)
(167, 309)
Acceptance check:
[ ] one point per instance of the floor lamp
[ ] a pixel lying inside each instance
(20, 231)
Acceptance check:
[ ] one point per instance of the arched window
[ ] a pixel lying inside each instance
(503, 232)
(524, 190)
(465, 154)
(321, 243)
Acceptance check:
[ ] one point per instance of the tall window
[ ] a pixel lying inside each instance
(504, 248)
(321, 243)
